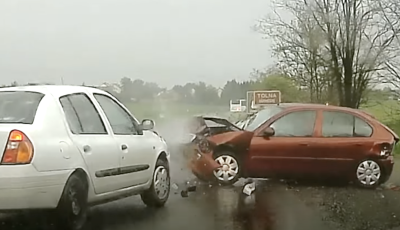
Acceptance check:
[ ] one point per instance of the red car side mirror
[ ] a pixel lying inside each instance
(268, 132)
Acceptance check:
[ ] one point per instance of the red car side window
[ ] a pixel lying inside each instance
(295, 124)
(340, 124)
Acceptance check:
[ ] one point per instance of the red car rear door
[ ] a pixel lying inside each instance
(343, 141)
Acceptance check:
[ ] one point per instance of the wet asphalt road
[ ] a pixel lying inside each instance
(274, 205)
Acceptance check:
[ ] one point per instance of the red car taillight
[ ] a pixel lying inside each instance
(19, 149)
(386, 149)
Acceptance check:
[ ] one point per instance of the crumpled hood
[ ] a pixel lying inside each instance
(203, 125)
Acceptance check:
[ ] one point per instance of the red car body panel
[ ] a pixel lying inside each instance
(316, 155)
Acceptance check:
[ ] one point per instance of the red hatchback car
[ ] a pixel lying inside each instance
(296, 140)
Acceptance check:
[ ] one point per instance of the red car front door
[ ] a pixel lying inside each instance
(289, 151)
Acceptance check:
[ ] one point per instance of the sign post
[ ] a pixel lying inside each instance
(249, 100)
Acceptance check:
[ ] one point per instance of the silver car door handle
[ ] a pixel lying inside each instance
(124, 147)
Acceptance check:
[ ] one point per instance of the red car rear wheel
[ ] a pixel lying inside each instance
(369, 174)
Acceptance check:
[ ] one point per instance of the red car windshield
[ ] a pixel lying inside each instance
(257, 119)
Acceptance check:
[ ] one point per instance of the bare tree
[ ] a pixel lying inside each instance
(298, 45)
(338, 45)
(391, 74)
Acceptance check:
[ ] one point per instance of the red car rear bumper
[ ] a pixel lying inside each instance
(387, 168)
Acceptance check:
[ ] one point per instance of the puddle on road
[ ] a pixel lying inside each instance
(237, 211)
(270, 206)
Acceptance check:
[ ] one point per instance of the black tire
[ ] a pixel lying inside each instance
(373, 164)
(151, 197)
(72, 209)
(239, 167)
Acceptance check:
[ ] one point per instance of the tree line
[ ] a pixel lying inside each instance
(136, 90)
(204, 93)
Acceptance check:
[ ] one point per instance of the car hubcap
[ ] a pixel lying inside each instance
(228, 170)
(75, 207)
(368, 172)
(161, 182)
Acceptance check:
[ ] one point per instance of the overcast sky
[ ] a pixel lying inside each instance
(166, 41)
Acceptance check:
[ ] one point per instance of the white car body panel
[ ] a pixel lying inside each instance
(58, 153)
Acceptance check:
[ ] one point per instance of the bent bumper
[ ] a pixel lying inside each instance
(203, 164)
(23, 187)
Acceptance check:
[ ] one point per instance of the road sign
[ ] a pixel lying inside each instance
(267, 97)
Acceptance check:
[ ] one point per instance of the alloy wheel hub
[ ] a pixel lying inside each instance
(75, 208)
(228, 170)
(161, 182)
(368, 172)
(225, 167)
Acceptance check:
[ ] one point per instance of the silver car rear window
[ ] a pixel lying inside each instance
(19, 107)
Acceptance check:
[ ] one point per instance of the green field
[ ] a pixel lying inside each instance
(386, 111)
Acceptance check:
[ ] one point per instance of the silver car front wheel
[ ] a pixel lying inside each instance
(158, 194)
(161, 182)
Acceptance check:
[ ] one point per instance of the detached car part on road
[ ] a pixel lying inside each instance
(295, 141)
(69, 147)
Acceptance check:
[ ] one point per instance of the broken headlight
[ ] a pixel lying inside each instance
(204, 146)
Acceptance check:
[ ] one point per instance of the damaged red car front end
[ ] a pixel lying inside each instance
(211, 135)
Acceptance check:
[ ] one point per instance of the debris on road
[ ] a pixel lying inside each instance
(175, 186)
(249, 188)
(184, 193)
(189, 186)
(192, 188)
